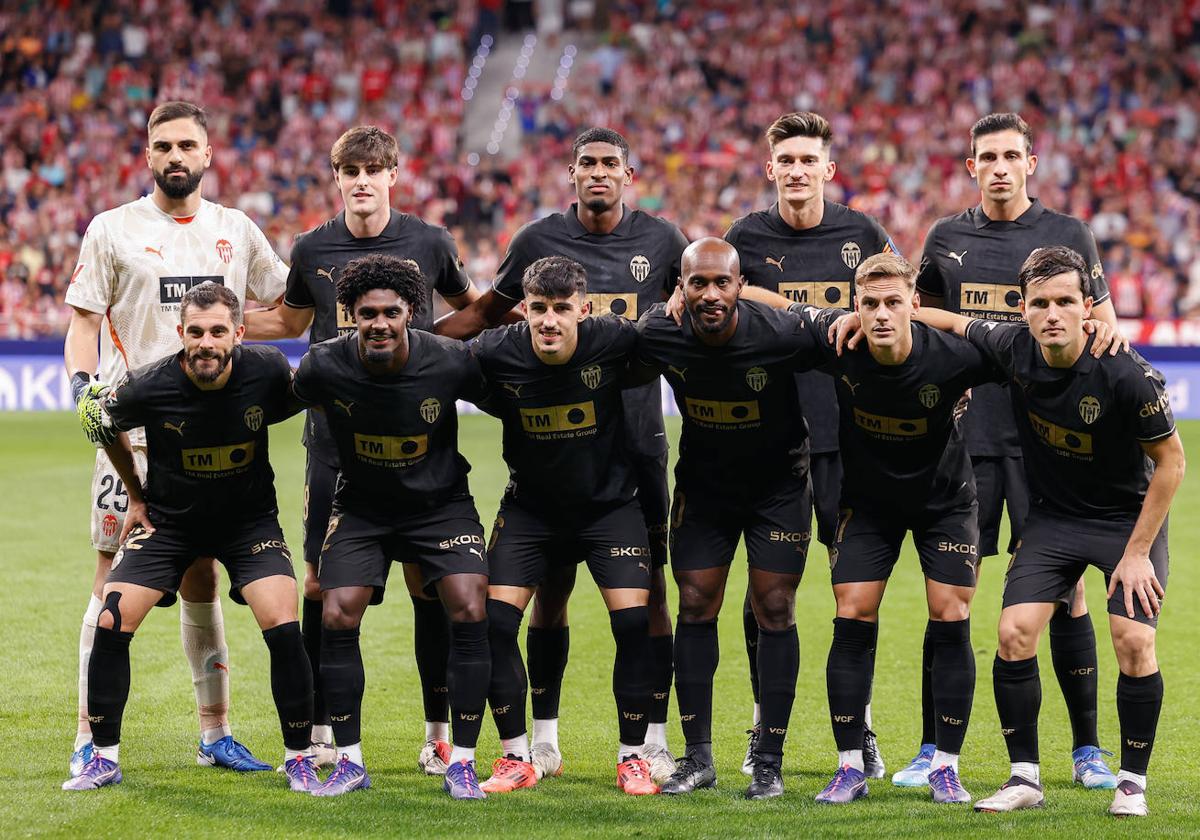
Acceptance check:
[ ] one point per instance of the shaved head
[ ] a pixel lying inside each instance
(709, 253)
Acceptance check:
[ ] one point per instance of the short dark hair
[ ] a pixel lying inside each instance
(800, 124)
(382, 271)
(206, 296)
(995, 123)
(555, 277)
(366, 145)
(177, 110)
(1045, 263)
(600, 135)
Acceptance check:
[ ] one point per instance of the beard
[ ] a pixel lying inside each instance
(174, 189)
(700, 325)
(204, 375)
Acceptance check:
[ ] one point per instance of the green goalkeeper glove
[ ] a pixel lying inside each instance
(97, 425)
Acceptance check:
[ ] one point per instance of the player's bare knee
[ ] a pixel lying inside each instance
(199, 584)
(857, 610)
(950, 604)
(338, 614)
(1018, 639)
(1133, 643)
(467, 612)
(775, 610)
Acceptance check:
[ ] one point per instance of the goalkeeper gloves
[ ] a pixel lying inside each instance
(97, 425)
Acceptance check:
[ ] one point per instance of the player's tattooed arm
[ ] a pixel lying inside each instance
(1135, 573)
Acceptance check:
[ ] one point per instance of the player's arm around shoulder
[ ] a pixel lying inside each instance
(646, 362)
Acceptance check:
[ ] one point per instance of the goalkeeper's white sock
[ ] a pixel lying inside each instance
(202, 628)
(87, 635)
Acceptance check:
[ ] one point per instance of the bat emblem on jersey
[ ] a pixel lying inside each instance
(157, 251)
(515, 390)
(957, 257)
(778, 263)
(328, 275)
(172, 427)
(680, 372)
(344, 406)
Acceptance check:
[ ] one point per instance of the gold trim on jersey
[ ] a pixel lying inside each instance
(820, 293)
(989, 298)
(555, 419)
(603, 305)
(390, 450)
(1060, 437)
(214, 460)
(722, 413)
(893, 427)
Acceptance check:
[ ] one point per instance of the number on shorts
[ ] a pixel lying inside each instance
(110, 485)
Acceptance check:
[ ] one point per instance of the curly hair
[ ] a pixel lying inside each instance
(381, 271)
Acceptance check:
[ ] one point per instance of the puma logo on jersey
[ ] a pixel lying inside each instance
(851, 385)
(173, 428)
(680, 372)
(778, 263)
(157, 251)
(645, 567)
(478, 554)
(957, 257)
(344, 406)
(515, 390)
(328, 275)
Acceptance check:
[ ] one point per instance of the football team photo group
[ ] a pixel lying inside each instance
(829, 389)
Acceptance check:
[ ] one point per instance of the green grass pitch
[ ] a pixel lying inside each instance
(45, 466)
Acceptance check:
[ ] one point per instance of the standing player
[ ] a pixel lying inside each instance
(807, 248)
(135, 264)
(211, 493)
(364, 162)
(1103, 462)
(555, 382)
(970, 265)
(742, 470)
(632, 262)
(388, 393)
(906, 468)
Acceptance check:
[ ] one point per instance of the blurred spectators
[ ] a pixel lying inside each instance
(1110, 88)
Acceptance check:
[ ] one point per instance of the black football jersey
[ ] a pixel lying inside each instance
(742, 426)
(628, 271)
(1080, 427)
(901, 448)
(972, 263)
(813, 267)
(319, 255)
(206, 450)
(564, 427)
(397, 435)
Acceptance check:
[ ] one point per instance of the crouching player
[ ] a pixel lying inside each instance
(1103, 461)
(555, 382)
(388, 392)
(905, 467)
(211, 493)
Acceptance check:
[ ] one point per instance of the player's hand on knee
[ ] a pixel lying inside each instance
(846, 332)
(96, 423)
(1135, 574)
(138, 516)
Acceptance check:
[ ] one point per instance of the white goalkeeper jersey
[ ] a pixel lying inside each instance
(136, 262)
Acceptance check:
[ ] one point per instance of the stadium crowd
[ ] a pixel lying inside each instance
(1110, 89)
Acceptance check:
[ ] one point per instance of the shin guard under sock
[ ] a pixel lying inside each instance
(291, 684)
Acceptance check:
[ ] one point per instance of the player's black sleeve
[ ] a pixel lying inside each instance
(883, 242)
(679, 244)
(511, 273)
(297, 294)
(282, 403)
(997, 341)
(126, 403)
(472, 385)
(1142, 392)
(452, 279)
(1085, 243)
(929, 277)
(307, 386)
(819, 321)
(808, 351)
